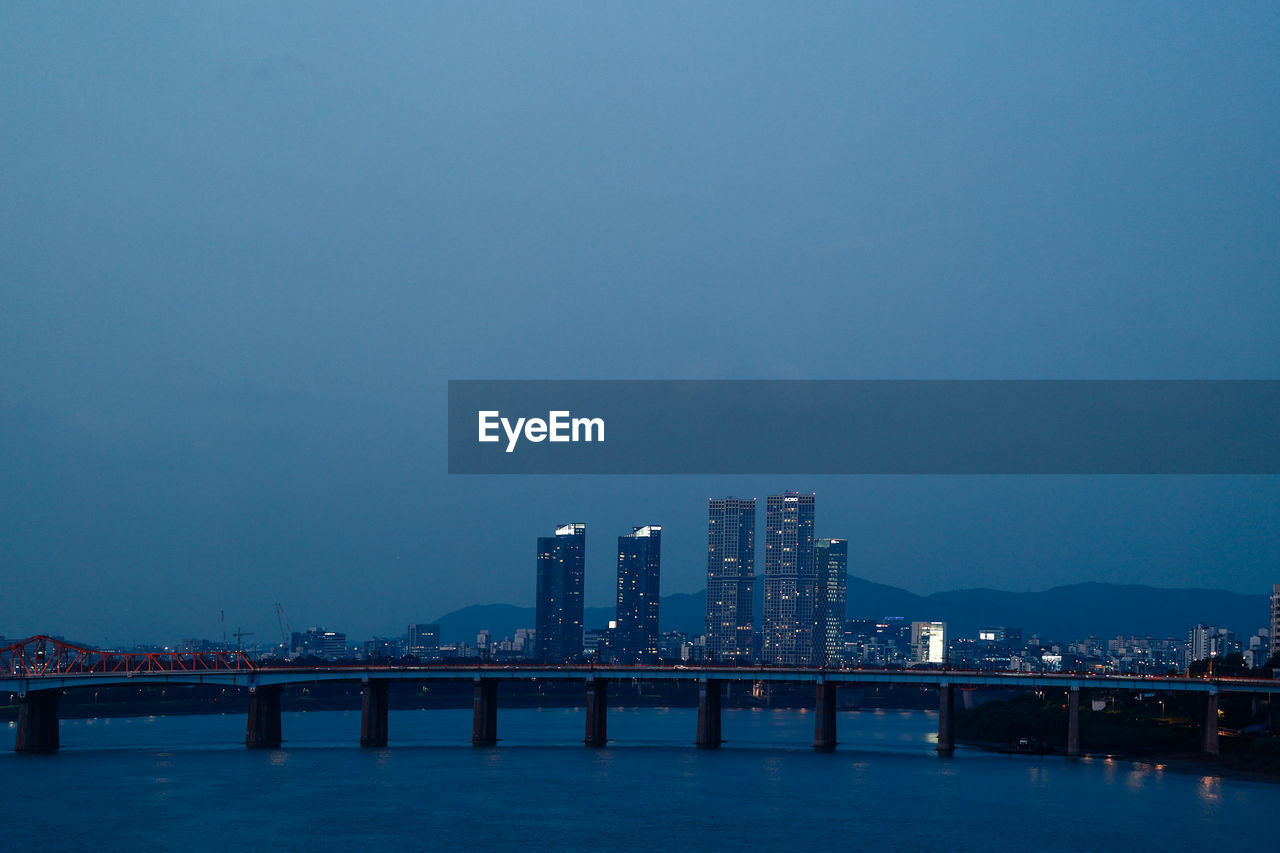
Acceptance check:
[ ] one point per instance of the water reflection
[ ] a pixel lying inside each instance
(431, 783)
(1138, 777)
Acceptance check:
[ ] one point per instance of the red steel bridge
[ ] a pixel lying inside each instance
(39, 669)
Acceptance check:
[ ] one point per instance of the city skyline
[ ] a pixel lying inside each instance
(270, 268)
(351, 618)
(823, 627)
(203, 400)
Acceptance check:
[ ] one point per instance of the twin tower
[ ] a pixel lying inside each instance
(804, 584)
(804, 589)
(633, 637)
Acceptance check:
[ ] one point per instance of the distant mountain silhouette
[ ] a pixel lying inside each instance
(1063, 612)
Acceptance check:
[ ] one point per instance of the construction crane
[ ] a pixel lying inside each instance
(240, 635)
(284, 628)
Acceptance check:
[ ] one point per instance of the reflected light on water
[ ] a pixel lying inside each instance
(434, 784)
(1138, 777)
(603, 762)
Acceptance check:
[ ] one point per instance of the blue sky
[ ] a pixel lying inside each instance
(246, 245)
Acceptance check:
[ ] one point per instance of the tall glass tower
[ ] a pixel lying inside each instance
(790, 580)
(831, 556)
(731, 564)
(1275, 620)
(635, 639)
(561, 560)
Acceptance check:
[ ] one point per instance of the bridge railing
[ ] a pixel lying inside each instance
(43, 656)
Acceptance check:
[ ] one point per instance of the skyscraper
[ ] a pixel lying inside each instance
(790, 580)
(561, 560)
(1275, 620)
(731, 563)
(831, 556)
(635, 639)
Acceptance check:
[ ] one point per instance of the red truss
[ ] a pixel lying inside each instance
(41, 655)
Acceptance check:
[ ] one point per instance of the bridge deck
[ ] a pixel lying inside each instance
(266, 676)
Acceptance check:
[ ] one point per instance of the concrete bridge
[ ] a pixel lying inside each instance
(39, 669)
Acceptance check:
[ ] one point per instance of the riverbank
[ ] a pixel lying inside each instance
(1163, 733)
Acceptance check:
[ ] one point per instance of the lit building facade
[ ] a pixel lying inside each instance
(731, 563)
(423, 639)
(1273, 643)
(561, 564)
(1211, 641)
(929, 642)
(790, 580)
(831, 558)
(635, 639)
(317, 642)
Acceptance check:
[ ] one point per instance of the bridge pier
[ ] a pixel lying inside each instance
(263, 730)
(946, 724)
(1073, 722)
(373, 712)
(1211, 724)
(709, 714)
(824, 718)
(38, 722)
(484, 713)
(597, 713)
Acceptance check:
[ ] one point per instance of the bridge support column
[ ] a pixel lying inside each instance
(946, 725)
(824, 718)
(484, 713)
(709, 714)
(38, 722)
(373, 712)
(1211, 724)
(263, 731)
(597, 713)
(1073, 722)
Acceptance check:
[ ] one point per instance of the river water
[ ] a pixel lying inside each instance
(186, 783)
